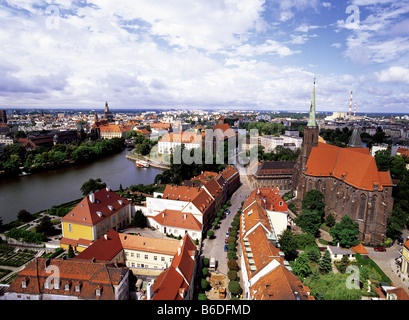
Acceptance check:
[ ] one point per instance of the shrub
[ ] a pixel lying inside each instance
(232, 265)
(231, 255)
(202, 296)
(205, 272)
(231, 246)
(204, 284)
(210, 234)
(234, 287)
(206, 262)
(232, 275)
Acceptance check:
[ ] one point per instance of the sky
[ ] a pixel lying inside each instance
(213, 54)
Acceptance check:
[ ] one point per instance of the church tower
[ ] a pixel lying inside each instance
(310, 141)
(311, 132)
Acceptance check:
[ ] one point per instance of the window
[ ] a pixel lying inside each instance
(138, 255)
(132, 254)
(113, 219)
(67, 287)
(373, 208)
(162, 259)
(155, 258)
(362, 205)
(309, 185)
(146, 257)
(70, 227)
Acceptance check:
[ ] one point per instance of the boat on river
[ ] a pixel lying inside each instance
(142, 164)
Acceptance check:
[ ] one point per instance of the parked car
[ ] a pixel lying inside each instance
(226, 240)
(400, 240)
(226, 248)
(227, 234)
(227, 211)
(380, 249)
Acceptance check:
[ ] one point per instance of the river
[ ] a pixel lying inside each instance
(42, 190)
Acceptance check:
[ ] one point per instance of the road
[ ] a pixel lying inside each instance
(215, 247)
(386, 261)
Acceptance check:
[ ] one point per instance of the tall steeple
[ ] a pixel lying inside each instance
(311, 119)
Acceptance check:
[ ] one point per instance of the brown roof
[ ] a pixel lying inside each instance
(87, 212)
(178, 219)
(280, 284)
(360, 249)
(183, 193)
(270, 199)
(355, 166)
(177, 277)
(222, 131)
(89, 275)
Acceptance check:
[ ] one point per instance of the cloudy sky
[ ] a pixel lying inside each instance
(223, 54)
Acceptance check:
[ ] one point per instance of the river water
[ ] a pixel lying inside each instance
(40, 191)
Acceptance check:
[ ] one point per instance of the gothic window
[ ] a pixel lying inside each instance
(373, 208)
(362, 205)
(309, 185)
(319, 185)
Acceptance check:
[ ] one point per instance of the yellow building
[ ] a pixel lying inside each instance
(405, 258)
(94, 216)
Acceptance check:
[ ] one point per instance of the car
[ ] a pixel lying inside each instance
(226, 240)
(227, 211)
(380, 249)
(400, 240)
(227, 234)
(226, 248)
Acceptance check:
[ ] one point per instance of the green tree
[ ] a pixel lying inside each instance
(24, 216)
(139, 219)
(45, 226)
(301, 266)
(314, 201)
(234, 287)
(309, 221)
(91, 186)
(70, 253)
(330, 220)
(288, 244)
(325, 264)
(344, 263)
(345, 232)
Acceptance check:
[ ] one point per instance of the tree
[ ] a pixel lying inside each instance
(45, 226)
(344, 263)
(309, 221)
(288, 244)
(70, 253)
(232, 275)
(301, 266)
(91, 186)
(325, 264)
(204, 284)
(139, 219)
(232, 265)
(24, 216)
(314, 201)
(345, 232)
(234, 287)
(210, 234)
(330, 220)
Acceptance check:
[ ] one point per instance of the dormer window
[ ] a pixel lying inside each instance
(98, 291)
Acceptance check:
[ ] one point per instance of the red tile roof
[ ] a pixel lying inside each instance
(178, 219)
(352, 165)
(183, 193)
(89, 275)
(86, 212)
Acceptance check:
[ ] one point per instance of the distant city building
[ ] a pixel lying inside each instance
(108, 115)
(274, 174)
(3, 116)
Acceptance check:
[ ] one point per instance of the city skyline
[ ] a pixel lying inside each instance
(238, 55)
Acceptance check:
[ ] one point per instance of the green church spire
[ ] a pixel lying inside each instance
(311, 120)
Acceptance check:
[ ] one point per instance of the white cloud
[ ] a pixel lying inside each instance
(394, 74)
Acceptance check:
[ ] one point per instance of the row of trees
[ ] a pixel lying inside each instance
(177, 173)
(16, 155)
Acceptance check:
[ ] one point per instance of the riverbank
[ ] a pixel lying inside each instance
(152, 163)
(45, 189)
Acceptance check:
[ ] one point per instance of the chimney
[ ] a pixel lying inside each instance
(185, 216)
(105, 236)
(108, 188)
(91, 197)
